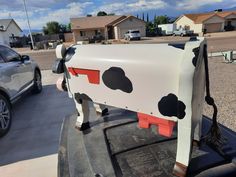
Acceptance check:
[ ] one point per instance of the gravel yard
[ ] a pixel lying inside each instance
(223, 90)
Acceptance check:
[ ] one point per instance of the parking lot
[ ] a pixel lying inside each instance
(30, 148)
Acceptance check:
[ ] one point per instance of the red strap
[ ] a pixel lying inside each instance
(93, 75)
(165, 127)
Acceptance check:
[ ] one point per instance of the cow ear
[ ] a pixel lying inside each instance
(61, 51)
(58, 66)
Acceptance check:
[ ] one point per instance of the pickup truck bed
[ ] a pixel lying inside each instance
(115, 146)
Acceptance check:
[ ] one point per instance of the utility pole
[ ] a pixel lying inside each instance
(26, 13)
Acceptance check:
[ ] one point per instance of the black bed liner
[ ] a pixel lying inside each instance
(115, 146)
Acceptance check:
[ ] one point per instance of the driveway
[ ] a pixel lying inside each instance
(30, 148)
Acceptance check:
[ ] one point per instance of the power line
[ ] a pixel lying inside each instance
(26, 13)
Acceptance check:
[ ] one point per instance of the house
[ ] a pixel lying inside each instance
(9, 31)
(110, 27)
(208, 22)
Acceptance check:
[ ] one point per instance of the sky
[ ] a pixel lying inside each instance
(42, 11)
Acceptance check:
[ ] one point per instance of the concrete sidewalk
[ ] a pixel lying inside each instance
(39, 167)
(30, 148)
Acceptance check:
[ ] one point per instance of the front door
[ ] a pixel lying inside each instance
(110, 32)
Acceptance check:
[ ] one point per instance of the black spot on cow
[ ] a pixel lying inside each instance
(196, 54)
(114, 78)
(69, 53)
(80, 97)
(170, 106)
(177, 45)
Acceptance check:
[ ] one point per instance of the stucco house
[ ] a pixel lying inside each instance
(9, 31)
(208, 22)
(110, 27)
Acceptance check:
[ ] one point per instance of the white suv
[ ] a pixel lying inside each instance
(132, 35)
(18, 74)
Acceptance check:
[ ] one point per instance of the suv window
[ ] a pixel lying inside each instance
(1, 59)
(9, 54)
(135, 32)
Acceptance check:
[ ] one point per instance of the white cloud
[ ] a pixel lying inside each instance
(39, 17)
(62, 15)
(195, 4)
(42, 11)
(124, 7)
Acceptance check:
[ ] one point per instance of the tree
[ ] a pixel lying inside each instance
(137, 16)
(69, 27)
(147, 18)
(89, 15)
(52, 28)
(63, 28)
(150, 29)
(163, 19)
(101, 13)
(155, 16)
(143, 16)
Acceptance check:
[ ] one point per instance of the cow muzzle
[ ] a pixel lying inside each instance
(61, 84)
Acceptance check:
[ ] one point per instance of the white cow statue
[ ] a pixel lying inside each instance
(163, 83)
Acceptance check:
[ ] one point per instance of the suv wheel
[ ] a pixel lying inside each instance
(5, 115)
(37, 88)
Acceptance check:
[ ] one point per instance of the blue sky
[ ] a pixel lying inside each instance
(42, 11)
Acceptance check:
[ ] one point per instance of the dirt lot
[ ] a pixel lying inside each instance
(45, 58)
(223, 90)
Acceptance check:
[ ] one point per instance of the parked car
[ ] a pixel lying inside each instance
(18, 74)
(182, 32)
(97, 38)
(132, 35)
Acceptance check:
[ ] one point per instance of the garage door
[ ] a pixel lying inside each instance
(213, 27)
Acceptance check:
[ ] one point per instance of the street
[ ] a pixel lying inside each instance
(45, 58)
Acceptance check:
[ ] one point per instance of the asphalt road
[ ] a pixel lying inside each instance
(45, 58)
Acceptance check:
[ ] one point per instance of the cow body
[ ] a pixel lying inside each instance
(155, 80)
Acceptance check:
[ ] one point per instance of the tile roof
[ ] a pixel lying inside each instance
(127, 17)
(94, 22)
(201, 17)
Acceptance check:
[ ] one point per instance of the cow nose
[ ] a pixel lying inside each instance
(59, 83)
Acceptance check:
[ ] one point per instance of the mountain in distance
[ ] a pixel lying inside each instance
(230, 9)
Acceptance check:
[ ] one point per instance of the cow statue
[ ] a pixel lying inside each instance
(163, 83)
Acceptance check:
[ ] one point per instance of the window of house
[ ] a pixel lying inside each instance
(82, 33)
(97, 32)
(229, 23)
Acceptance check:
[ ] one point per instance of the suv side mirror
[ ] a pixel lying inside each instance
(25, 58)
